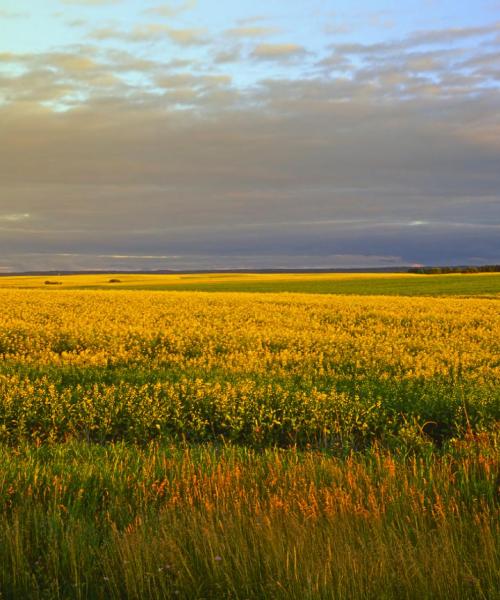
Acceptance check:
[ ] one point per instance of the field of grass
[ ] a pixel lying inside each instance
(182, 444)
(366, 284)
(118, 521)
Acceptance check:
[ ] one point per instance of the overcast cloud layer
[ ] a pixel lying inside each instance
(157, 138)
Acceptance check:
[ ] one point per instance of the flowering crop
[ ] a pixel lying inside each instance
(338, 372)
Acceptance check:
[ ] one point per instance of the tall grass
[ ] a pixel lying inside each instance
(116, 521)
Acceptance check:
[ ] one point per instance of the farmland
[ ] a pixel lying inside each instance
(369, 284)
(168, 437)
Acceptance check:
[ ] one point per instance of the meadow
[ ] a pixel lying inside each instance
(166, 443)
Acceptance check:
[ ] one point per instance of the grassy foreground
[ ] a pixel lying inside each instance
(109, 522)
(200, 445)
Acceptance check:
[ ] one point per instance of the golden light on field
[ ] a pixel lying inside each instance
(415, 336)
(125, 279)
(290, 363)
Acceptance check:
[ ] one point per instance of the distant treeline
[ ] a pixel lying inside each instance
(463, 269)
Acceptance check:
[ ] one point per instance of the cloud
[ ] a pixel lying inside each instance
(152, 32)
(252, 20)
(451, 34)
(57, 78)
(77, 23)
(90, 2)
(12, 14)
(338, 29)
(170, 10)
(106, 33)
(391, 154)
(228, 55)
(278, 51)
(201, 90)
(421, 65)
(72, 62)
(188, 79)
(437, 37)
(188, 37)
(251, 31)
(11, 57)
(14, 217)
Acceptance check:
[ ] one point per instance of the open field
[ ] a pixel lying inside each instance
(393, 284)
(224, 445)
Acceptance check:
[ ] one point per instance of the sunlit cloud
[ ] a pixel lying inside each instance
(171, 10)
(152, 32)
(14, 217)
(251, 31)
(278, 51)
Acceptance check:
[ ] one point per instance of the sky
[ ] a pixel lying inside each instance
(213, 134)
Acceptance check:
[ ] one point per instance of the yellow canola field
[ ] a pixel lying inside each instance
(298, 334)
(259, 369)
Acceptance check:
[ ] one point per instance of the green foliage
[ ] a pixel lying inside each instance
(101, 405)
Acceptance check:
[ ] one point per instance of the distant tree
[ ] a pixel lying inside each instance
(431, 270)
